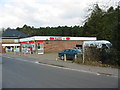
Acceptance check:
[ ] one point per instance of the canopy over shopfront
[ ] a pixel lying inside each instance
(10, 44)
(56, 38)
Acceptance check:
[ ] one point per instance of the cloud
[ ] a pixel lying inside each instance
(16, 13)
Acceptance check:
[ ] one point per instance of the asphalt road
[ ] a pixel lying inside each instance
(28, 74)
(0, 71)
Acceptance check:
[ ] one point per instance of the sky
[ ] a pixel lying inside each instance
(43, 13)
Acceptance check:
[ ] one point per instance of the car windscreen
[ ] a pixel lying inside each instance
(67, 50)
(78, 51)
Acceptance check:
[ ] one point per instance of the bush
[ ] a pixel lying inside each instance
(102, 55)
(79, 59)
(91, 54)
(111, 57)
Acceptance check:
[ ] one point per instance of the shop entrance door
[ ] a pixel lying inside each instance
(40, 48)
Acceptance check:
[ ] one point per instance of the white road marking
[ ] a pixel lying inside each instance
(67, 68)
(72, 69)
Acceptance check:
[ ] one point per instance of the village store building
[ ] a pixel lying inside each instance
(10, 40)
(42, 44)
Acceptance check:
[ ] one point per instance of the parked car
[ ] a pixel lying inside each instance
(78, 48)
(70, 54)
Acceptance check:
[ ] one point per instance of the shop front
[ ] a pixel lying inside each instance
(10, 48)
(32, 47)
(40, 47)
(42, 44)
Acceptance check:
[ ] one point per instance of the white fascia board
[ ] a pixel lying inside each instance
(42, 38)
(10, 44)
(71, 38)
(83, 38)
(63, 38)
(27, 39)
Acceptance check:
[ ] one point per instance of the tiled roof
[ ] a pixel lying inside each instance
(13, 33)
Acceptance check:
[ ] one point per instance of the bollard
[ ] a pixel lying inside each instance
(65, 57)
(83, 51)
(75, 58)
(56, 59)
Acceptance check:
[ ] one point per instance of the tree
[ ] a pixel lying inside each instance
(93, 25)
(116, 32)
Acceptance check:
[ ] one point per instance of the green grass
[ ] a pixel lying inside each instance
(93, 63)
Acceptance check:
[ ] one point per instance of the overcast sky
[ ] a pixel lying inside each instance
(42, 13)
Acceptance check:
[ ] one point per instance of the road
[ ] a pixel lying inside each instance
(0, 71)
(28, 74)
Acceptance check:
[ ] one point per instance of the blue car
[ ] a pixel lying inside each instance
(70, 54)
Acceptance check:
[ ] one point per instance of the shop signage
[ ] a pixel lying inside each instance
(28, 42)
(67, 38)
(31, 41)
(40, 41)
(59, 38)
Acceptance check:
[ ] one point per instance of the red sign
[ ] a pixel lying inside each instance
(59, 38)
(67, 38)
(55, 38)
(31, 41)
(40, 41)
(51, 38)
(28, 42)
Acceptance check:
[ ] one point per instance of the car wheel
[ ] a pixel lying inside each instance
(62, 57)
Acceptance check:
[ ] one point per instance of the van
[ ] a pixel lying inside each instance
(98, 43)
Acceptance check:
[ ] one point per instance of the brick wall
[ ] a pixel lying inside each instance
(56, 46)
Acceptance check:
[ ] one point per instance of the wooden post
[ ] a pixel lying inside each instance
(83, 50)
(75, 58)
(65, 57)
(56, 59)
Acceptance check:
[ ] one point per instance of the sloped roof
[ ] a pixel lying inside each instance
(13, 33)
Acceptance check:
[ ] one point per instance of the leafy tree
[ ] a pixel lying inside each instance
(93, 26)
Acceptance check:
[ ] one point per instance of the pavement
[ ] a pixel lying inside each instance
(50, 59)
